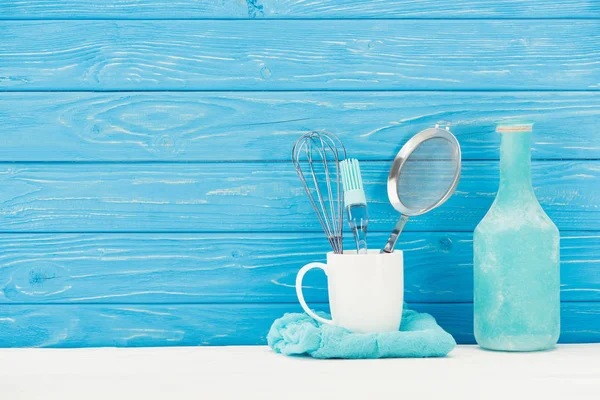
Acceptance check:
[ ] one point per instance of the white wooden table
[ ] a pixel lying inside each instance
(569, 372)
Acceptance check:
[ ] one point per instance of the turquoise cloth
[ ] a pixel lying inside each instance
(419, 336)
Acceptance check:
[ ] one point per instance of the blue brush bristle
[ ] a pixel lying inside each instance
(351, 177)
(355, 202)
(352, 182)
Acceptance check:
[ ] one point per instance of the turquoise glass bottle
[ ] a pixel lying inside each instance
(516, 258)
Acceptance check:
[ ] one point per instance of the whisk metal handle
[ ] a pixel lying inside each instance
(389, 246)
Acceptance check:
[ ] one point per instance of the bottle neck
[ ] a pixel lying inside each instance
(515, 163)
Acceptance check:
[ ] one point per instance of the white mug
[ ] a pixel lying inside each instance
(366, 291)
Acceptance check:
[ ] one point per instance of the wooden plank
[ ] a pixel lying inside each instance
(226, 268)
(580, 322)
(254, 126)
(250, 55)
(210, 324)
(164, 9)
(256, 197)
(430, 9)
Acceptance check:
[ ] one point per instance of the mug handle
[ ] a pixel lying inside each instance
(299, 278)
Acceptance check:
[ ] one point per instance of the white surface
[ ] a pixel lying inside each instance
(569, 372)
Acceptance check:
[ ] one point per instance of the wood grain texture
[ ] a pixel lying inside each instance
(257, 197)
(230, 55)
(226, 268)
(164, 9)
(580, 322)
(210, 324)
(430, 9)
(254, 126)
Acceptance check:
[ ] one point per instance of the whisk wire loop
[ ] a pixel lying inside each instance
(319, 154)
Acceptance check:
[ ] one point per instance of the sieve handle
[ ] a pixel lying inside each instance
(389, 246)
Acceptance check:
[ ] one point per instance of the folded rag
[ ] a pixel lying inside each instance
(419, 336)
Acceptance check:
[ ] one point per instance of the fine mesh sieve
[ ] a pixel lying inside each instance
(423, 176)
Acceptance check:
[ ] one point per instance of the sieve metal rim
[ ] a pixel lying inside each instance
(409, 147)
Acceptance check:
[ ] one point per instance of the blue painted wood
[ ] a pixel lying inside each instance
(252, 126)
(257, 197)
(100, 284)
(430, 8)
(580, 322)
(230, 268)
(165, 9)
(252, 55)
(214, 324)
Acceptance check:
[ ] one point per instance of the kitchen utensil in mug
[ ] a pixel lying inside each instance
(355, 202)
(423, 176)
(316, 157)
(366, 291)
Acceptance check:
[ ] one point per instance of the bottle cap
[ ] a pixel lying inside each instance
(514, 126)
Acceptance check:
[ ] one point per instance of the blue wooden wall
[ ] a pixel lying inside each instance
(146, 196)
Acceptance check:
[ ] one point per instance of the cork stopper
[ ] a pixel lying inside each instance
(514, 127)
